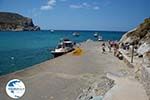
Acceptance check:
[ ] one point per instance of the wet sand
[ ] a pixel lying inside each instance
(65, 77)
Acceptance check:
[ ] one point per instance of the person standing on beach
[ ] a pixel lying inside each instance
(103, 48)
(109, 46)
(116, 47)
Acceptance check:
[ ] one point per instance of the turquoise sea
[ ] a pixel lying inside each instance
(19, 50)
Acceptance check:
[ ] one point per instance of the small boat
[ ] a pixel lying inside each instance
(95, 34)
(76, 34)
(100, 38)
(52, 30)
(63, 47)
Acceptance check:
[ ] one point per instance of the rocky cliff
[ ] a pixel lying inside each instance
(16, 22)
(140, 36)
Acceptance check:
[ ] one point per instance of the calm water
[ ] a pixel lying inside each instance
(19, 50)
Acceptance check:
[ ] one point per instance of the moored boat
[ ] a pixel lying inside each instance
(52, 30)
(76, 34)
(96, 34)
(63, 47)
(100, 38)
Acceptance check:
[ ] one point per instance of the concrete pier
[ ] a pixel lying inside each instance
(66, 77)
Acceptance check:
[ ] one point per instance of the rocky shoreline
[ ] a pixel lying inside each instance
(139, 38)
(16, 22)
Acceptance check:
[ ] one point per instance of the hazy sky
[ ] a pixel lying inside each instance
(121, 15)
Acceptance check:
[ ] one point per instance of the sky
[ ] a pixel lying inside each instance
(112, 15)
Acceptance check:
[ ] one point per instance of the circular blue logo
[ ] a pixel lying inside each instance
(15, 88)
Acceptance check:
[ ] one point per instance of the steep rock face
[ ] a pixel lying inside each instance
(16, 22)
(140, 36)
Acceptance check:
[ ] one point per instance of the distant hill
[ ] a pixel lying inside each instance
(16, 22)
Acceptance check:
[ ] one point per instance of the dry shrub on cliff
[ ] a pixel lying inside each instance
(142, 32)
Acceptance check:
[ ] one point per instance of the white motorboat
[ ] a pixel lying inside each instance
(63, 47)
(100, 38)
(76, 34)
(52, 30)
(95, 34)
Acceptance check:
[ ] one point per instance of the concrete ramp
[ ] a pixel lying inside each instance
(125, 89)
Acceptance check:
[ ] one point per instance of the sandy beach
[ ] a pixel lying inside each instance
(71, 77)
